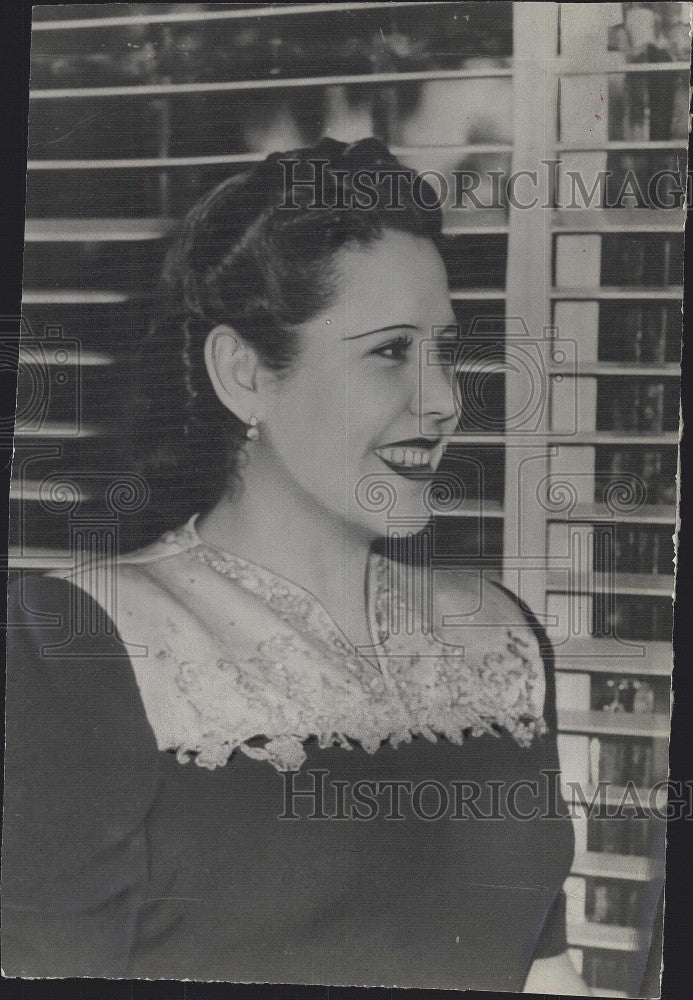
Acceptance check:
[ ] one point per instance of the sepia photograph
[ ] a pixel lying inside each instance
(343, 504)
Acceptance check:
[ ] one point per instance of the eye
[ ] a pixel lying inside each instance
(394, 350)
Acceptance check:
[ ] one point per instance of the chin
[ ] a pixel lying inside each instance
(408, 515)
(388, 502)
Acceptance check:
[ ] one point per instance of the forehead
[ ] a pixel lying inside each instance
(397, 278)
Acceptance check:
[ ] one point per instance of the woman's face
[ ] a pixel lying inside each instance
(358, 424)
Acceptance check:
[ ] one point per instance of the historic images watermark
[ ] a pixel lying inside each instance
(316, 796)
(458, 189)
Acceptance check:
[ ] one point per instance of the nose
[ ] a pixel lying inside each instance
(434, 397)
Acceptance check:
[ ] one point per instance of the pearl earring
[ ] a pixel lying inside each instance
(253, 432)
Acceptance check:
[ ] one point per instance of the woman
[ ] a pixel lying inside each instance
(269, 759)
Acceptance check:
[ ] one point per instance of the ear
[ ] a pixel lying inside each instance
(232, 367)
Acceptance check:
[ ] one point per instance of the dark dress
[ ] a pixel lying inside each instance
(119, 861)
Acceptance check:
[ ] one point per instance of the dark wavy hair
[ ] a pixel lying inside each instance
(257, 253)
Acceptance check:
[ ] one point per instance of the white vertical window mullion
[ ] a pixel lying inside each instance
(528, 286)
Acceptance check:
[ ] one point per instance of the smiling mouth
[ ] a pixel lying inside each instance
(413, 459)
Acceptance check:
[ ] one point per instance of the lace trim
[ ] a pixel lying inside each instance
(305, 680)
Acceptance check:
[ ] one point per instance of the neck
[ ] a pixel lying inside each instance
(271, 522)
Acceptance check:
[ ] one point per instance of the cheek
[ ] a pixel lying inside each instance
(330, 417)
(322, 433)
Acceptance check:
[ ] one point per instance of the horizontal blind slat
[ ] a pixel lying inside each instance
(674, 292)
(221, 86)
(636, 724)
(91, 229)
(197, 16)
(77, 296)
(590, 797)
(607, 937)
(613, 63)
(617, 368)
(46, 352)
(650, 584)
(49, 429)
(164, 162)
(619, 220)
(599, 512)
(624, 867)
(588, 654)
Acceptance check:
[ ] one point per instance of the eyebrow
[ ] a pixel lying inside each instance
(382, 329)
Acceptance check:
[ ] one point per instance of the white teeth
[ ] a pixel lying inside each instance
(409, 457)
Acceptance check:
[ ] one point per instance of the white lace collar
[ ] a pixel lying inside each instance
(226, 651)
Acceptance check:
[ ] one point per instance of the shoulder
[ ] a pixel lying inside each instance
(138, 584)
(48, 611)
(81, 778)
(81, 765)
(68, 670)
(477, 597)
(138, 567)
(472, 610)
